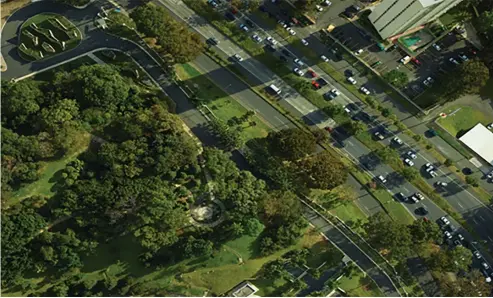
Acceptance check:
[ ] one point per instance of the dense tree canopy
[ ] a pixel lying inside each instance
(397, 78)
(322, 171)
(20, 101)
(291, 144)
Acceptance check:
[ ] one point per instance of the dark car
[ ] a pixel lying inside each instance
(400, 196)
(322, 82)
(421, 211)
(230, 16)
(283, 58)
(270, 48)
(262, 8)
(250, 23)
(213, 41)
(286, 52)
(349, 73)
(352, 106)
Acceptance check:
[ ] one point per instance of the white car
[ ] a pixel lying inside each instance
(257, 38)
(325, 59)
(382, 179)
(490, 126)
(437, 47)
(298, 71)
(299, 62)
(413, 199)
(444, 220)
(397, 141)
(412, 155)
(378, 135)
(408, 162)
(271, 40)
(304, 42)
(358, 52)
(490, 175)
(452, 60)
(418, 196)
(364, 90)
(327, 2)
(461, 238)
(447, 234)
(441, 183)
(291, 31)
(337, 93)
(237, 57)
(405, 59)
(477, 254)
(428, 81)
(463, 57)
(244, 28)
(485, 265)
(351, 80)
(319, 8)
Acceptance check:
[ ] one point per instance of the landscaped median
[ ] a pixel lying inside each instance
(45, 35)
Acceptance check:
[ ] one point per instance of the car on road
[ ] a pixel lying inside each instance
(364, 90)
(379, 136)
(408, 162)
(400, 196)
(316, 85)
(332, 93)
(351, 80)
(421, 210)
(286, 53)
(271, 40)
(257, 38)
(324, 58)
(244, 27)
(463, 57)
(237, 57)
(299, 62)
(382, 179)
(436, 47)
(447, 234)
(444, 220)
(358, 52)
(312, 73)
(452, 60)
(298, 71)
(428, 81)
(397, 141)
(441, 184)
(304, 42)
(412, 154)
(405, 59)
(477, 254)
(213, 41)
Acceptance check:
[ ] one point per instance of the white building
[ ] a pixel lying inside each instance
(480, 140)
(393, 17)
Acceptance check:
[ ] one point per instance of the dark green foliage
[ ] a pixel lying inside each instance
(197, 247)
(20, 101)
(322, 171)
(397, 78)
(291, 144)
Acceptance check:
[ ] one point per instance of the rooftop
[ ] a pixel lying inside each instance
(480, 140)
(244, 289)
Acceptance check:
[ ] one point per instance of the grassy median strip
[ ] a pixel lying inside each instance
(221, 105)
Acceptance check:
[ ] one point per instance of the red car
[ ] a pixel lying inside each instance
(316, 85)
(234, 10)
(312, 73)
(416, 61)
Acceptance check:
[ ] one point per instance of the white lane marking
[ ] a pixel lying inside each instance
(482, 218)
(462, 207)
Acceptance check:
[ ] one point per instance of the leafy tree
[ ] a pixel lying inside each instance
(61, 112)
(20, 101)
(333, 110)
(485, 22)
(410, 173)
(387, 154)
(197, 247)
(291, 144)
(229, 138)
(461, 256)
(219, 164)
(472, 285)
(390, 237)
(473, 75)
(253, 227)
(280, 207)
(426, 231)
(355, 127)
(397, 78)
(274, 270)
(250, 5)
(322, 171)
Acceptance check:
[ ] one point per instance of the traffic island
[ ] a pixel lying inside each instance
(45, 35)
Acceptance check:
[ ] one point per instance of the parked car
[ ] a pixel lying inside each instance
(477, 254)
(444, 220)
(463, 57)
(332, 93)
(316, 85)
(364, 90)
(405, 59)
(312, 73)
(271, 40)
(382, 179)
(237, 57)
(213, 41)
(397, 141)
(292, 32)
(327, 2)
(378, 135)
(324, 58)
(447, 235)
(319, 8)
(400, 196)
(422, 211)
(322, 81)
(230, 16)
(299, 62)
(490, 126)
(250, 23)
(452, 60)
(408, 162)
(257, 38)
(441, 184)
(411, 154)
(428, 81)
(358, 52)
(304, 42)
(437, 47)
(298, 71)
(418, 196)
(244, 27)
(351, 80)
(283, 58)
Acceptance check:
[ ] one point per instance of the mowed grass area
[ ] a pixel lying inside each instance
(222, 105)
(359, 286)
(462, 118)
(49, 173)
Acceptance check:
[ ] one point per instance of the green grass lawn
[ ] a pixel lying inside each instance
(462, 118)
(359, 286)
(49, 174)
(223, 106)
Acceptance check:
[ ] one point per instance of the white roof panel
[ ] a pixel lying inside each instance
(480, 140)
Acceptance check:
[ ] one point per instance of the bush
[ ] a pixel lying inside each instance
(417, 138)
(472, 181)
(386, 112)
